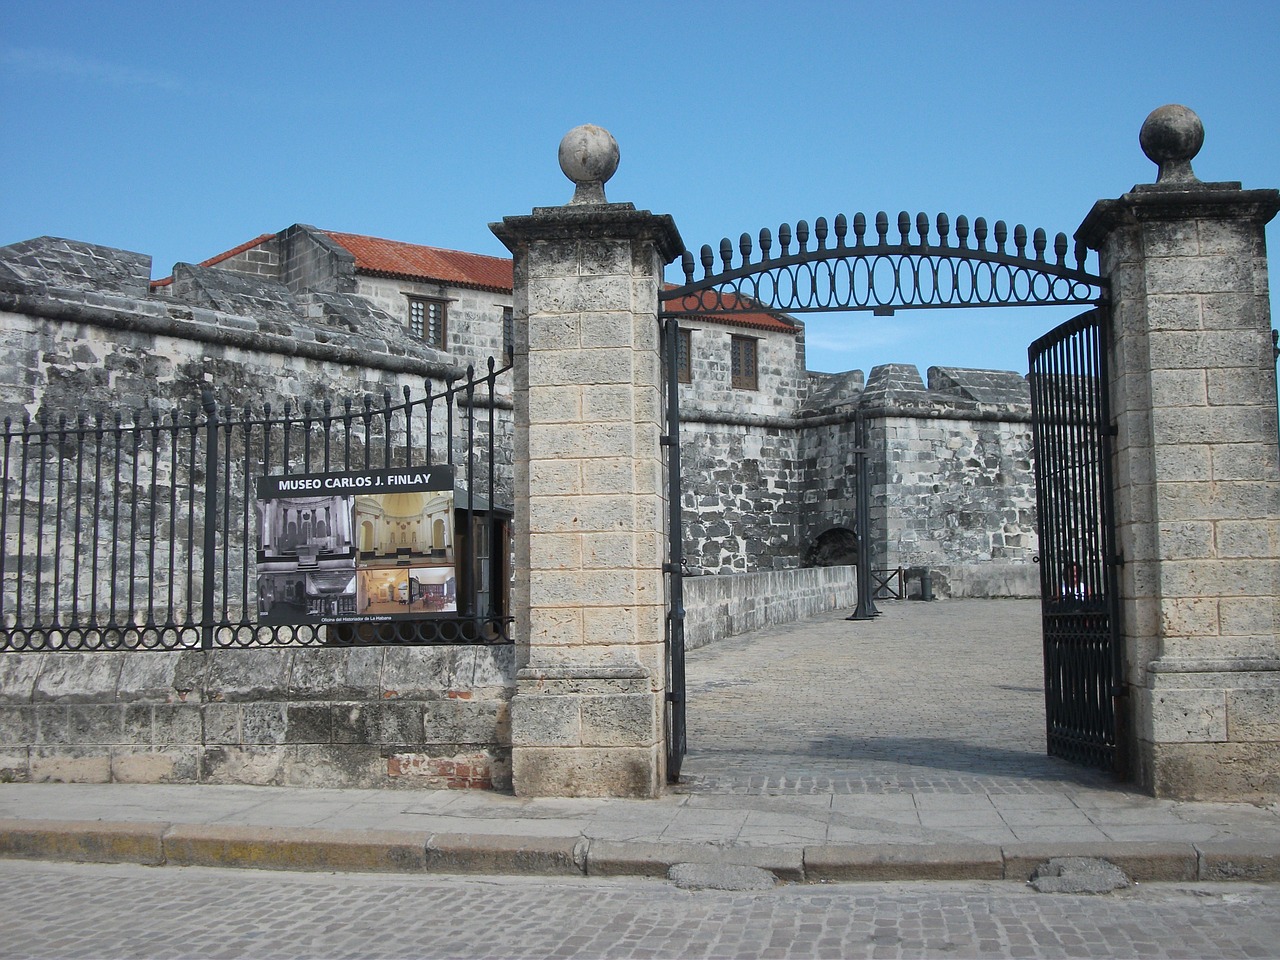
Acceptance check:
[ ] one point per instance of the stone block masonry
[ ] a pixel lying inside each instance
(351, 717)
(952, 477)
(719, 607)
(587, 717)
(1197, 474)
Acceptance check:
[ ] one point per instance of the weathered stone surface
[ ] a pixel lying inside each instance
(249, 675)
(587, 771)
(70, 678)
(324, 764)
(70, 764)
(155, 765)
(1238, 772)
(347, 674)
(262, 765)
(294, 848)
(838, 862)
(717, 607)
(609, 858)
(420, 672)
(1141, 861)
(18, 675)
(1078, 875)
(720, 876)
(95, 841)
(495, 853)
(1239, 860)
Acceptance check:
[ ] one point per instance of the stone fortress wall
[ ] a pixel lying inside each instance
(769, 478)
(770, 482)
(768, 491)
(86, 333)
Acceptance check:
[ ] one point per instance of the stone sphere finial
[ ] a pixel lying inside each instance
(1171, 135)
(588, 157)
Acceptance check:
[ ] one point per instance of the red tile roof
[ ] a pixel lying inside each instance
(412, 261)
(226, 255)
(709, 304)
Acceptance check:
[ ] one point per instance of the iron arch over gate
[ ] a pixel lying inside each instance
(916, 263)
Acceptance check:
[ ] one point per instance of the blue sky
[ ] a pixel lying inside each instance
(182, 129)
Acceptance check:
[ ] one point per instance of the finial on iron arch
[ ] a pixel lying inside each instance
(589, 157)
(1171, 136)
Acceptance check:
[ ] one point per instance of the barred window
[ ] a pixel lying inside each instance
(743, 362)
(684, 359)
(508, 332)
(427, 320)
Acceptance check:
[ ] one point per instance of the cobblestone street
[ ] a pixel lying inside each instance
(76, 911)
(944, 697)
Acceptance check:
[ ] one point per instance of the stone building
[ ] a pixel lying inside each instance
(308, 314)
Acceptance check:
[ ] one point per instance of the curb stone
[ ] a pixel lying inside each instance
(497, 853)
(86, 841)
(393, 851)
(294, 848)
(613, 858)
(1143, 861)
(886, 861)
(1239, 860)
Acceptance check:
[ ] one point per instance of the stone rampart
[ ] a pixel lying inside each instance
(719, 607)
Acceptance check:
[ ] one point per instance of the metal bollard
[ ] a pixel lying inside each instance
(926, 585)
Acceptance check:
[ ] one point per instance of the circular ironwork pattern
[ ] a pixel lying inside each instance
(928, 264)
(430, 632)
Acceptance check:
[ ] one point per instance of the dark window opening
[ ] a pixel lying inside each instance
(743, 362)
(684, 359)
(427, 320)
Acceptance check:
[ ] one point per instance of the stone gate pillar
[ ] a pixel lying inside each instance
(590, 488)
(1198, 490)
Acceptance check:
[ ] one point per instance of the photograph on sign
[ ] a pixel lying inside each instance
(383, 553)
(405, 562)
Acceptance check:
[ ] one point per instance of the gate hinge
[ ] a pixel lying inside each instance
(1117, 559)
(674, 697)
(1113, 429)
(665, 440)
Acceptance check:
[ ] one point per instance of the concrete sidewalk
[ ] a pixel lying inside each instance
(846, 837)
(908, 747)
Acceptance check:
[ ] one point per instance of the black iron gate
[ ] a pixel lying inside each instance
(881, 265)
(674, 567)
(1078, 559)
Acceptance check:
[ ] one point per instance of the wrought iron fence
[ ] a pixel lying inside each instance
(141, 529)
